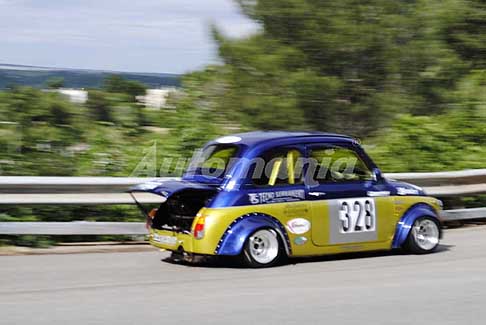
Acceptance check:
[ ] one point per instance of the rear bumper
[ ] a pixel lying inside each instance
(177, 242)
(170, 240)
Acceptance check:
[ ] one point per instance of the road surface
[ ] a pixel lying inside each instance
(448, 287)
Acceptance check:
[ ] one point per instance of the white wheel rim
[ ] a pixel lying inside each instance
(263, 246)
(426, 234)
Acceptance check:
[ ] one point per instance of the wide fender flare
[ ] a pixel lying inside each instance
(235, 236)
(406, 221)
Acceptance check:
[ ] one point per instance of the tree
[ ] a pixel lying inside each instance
(99, 106)
(341, 66)
(116, 84)
(55, 83)
(196, 119)
(465, 31)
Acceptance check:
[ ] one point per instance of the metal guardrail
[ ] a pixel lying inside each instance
(80, 189)
(72, 190)
(78, 199)
(463, 214)
(73, 228)
(462, 177)
(443, 184)
(49, 184)
(27, 190)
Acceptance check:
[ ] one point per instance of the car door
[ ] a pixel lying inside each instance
(347, 204)
(279, 178)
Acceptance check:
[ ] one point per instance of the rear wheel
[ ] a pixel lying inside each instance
(262, 249)
(424, 236)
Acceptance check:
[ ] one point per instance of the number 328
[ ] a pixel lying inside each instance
(356, 215)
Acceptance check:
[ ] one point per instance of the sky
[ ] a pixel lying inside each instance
(170, 36)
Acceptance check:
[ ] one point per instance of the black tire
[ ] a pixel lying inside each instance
(429, 230)
(271, 249)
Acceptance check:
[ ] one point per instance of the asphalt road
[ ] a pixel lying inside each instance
(448, 287)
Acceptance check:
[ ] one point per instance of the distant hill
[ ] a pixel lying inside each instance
(11, 74)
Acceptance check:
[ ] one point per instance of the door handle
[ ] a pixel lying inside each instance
(317, 194)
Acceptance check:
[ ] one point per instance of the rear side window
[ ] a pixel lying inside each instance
(213, 160)
(221, 154)
(332, 164)
(277, 167)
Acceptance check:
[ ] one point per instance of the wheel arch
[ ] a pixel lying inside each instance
(235, 236)
(406, 221)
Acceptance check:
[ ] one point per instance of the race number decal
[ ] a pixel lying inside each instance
(357, 215)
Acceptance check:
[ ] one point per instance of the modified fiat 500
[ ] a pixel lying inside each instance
(264, 196)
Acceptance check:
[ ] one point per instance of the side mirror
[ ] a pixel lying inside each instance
(377, 175)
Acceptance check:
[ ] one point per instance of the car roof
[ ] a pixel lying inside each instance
(256, 137)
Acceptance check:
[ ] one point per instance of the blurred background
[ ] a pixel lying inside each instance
(408, 78)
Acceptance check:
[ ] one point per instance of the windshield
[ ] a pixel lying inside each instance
(213, 160)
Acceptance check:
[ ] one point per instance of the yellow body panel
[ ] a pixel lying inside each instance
(389, 211)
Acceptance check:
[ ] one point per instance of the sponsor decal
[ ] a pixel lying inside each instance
(298, 226)
(378, 193)
(293, 210)
(228, 139)
(276, 197)
(407, 191)
(301, 240)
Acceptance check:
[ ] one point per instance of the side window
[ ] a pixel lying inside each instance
(280, 166)
(214, 160)
(333, 164)
(219, 154)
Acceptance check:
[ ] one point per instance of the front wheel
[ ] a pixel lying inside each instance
(262, 249)
(424, 236)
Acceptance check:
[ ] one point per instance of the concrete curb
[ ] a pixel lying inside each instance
(79, 248)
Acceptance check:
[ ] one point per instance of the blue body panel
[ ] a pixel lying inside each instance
(397, 186)
(407, 220)
(251, 139)
(235, 236)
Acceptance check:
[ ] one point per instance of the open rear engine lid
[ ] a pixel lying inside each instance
(167, 188)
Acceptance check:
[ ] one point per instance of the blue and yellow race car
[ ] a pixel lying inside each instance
(267, 195)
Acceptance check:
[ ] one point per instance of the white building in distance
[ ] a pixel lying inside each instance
(77, 96)
(153, 98)
(156, 98)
